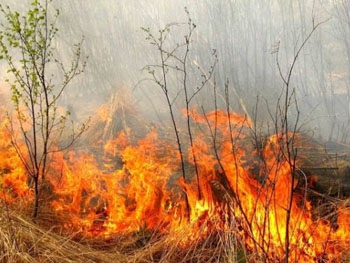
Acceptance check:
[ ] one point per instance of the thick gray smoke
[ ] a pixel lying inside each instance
(246, 36)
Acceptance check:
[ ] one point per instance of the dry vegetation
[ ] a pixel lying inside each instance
(222, 236)
(49, 240)
(24, 241)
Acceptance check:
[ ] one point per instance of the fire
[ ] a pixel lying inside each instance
(13, 183)
(136, 185)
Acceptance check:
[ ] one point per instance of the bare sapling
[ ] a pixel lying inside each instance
(174, 59)
(287, 130)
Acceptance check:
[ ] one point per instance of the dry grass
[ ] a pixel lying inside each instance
(45, 241)
(24, 241)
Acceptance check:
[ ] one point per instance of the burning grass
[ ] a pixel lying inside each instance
(25, 241)
(133, 205)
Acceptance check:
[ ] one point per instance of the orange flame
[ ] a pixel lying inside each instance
(142, 186)
(13, 179)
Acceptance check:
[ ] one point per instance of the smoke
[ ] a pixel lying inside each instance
(245, 35)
